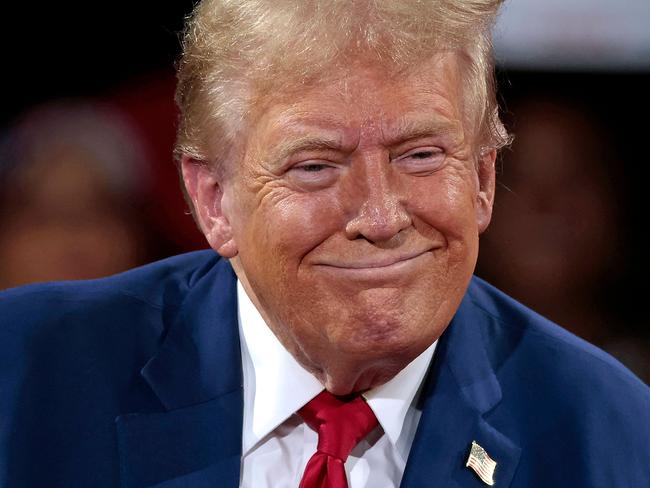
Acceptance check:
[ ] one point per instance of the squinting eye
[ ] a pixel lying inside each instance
(311, 176)
(312, 168)
(422, 154)
(421, 161)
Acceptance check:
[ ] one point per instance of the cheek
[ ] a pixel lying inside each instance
(283, 229)
(446, 204)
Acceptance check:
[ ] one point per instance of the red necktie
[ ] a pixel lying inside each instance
(341, 424)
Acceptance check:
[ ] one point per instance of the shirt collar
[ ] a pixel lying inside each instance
(276, 385)
(391, 401)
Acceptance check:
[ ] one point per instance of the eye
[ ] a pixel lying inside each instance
(422, 154)
(313, 175)
(421, 160)
(312, 168)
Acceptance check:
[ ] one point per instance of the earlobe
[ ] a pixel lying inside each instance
(205, 192)
(486, 182)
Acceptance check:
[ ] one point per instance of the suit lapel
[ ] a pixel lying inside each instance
(197, 376)
(460, 389)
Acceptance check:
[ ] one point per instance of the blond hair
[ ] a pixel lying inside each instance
(236, 50)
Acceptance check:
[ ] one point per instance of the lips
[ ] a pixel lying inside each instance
(372, 261)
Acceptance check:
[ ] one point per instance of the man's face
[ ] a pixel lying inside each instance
(355, 213)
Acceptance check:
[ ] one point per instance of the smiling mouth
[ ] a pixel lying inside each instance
(384, 263)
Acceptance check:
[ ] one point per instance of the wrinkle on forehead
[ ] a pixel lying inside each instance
(357, 108)
(342, 78)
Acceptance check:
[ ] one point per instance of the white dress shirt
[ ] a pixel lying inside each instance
(277, 444)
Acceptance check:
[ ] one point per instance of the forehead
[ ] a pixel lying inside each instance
(368, 98)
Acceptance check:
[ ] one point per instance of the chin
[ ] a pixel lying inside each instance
(381, 341)
(367, 335)
(393, 329)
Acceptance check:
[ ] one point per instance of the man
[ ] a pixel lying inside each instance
(339, 157)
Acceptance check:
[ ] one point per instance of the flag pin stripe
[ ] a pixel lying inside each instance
(482, 464)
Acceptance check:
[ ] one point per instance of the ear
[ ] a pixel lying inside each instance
(206, 194)
(486, 184)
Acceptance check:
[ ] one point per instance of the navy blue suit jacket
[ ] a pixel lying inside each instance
(135, 381)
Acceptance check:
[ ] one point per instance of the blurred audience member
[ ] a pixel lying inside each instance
(70, 175)
(555, 239)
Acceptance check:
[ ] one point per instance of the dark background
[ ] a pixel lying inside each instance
(54, 49)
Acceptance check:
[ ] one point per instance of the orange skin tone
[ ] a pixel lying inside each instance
(352, 218)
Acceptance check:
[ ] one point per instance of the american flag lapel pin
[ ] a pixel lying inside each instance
(482, 464)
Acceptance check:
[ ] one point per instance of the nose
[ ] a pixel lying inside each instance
(380, 213)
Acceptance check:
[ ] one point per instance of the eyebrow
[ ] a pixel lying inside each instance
(407, 129)
(403, 130)
(312, 142)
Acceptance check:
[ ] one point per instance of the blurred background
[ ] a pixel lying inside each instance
(88, 186)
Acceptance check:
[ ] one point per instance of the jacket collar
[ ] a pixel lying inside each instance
(203, 340)
(197, 376)
(460, 391)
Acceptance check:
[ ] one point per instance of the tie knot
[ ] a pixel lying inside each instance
(341, 422)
